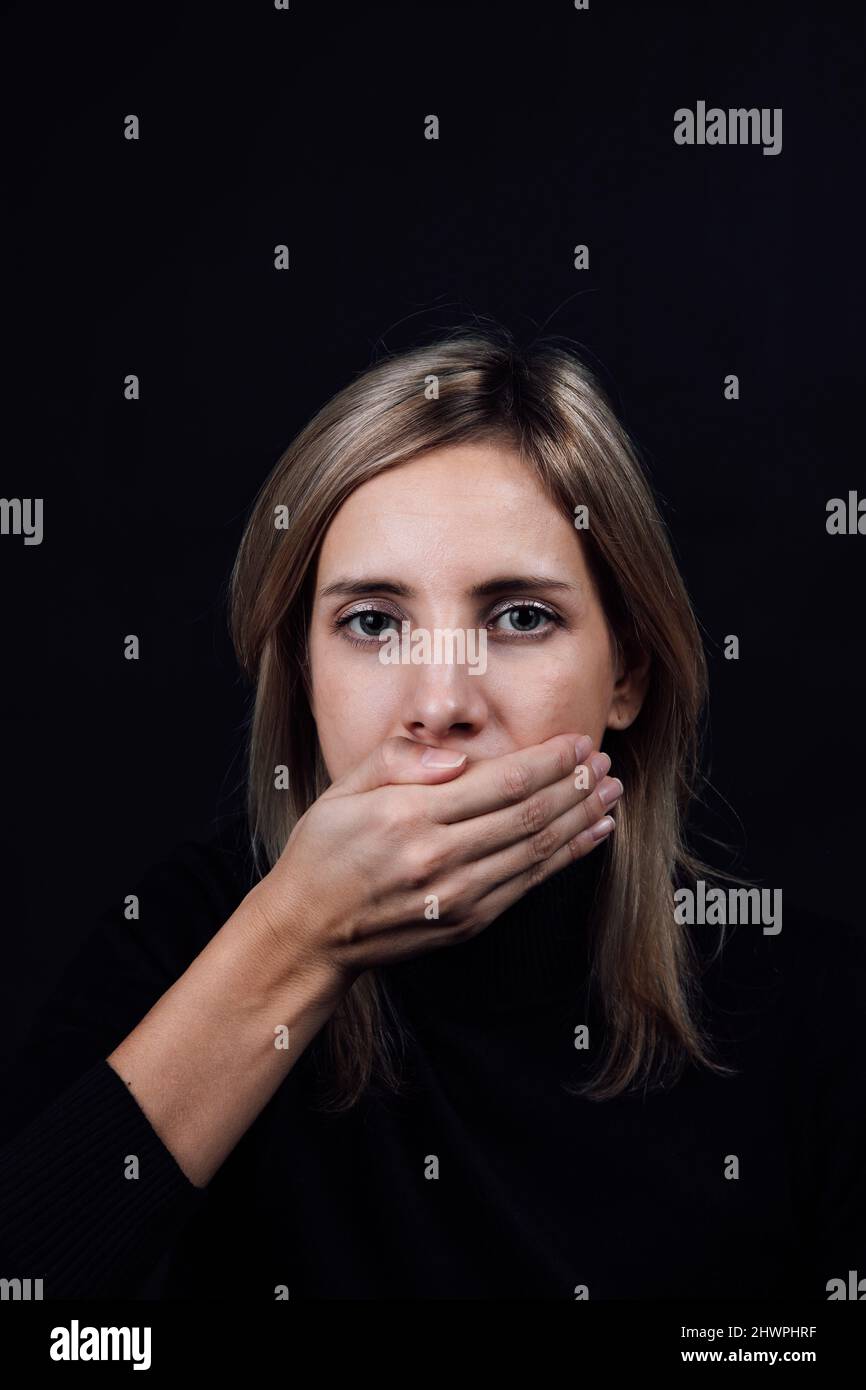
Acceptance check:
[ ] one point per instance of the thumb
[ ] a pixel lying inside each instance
(400, 760)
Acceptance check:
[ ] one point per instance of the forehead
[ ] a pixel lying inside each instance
(462, 508)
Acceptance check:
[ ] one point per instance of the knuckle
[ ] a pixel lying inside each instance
(413, 871)
(576, 848)
(542, 844)
(516, 781)
(533, 813)
(412, 808)
(565, 758)
(435, 860)
(453, 900)
(465, 929)
(391, 817)
(536, 873)
(458, 906)
(421, 864)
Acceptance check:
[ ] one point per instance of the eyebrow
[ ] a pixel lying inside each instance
(347, 587)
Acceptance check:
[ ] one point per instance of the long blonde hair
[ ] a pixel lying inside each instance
(476, 384)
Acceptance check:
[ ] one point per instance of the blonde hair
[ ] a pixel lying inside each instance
(548, 405)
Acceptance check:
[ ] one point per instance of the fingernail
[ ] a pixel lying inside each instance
(609, 791)
(438, 757)
(582, 747)
(602, 827)
(599, 762)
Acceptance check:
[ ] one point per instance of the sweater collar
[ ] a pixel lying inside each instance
(535, 952)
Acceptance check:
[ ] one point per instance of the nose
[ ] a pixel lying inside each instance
(442, 698)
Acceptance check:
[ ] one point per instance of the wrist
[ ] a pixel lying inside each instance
(281, 936)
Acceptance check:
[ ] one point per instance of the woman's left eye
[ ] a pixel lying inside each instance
(527, 613)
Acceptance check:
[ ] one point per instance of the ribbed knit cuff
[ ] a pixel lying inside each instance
(68, 1215)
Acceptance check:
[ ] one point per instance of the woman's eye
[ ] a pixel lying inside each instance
(528, 617)
(372, 622)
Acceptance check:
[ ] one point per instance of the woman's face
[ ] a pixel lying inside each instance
(462, 537)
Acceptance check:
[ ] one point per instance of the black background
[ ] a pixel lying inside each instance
(306, 127)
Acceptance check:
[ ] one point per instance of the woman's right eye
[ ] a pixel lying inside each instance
(372, 626)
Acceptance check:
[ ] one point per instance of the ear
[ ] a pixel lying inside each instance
(630, 688)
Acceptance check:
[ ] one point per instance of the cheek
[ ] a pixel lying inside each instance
(572, 692)
(349, 706)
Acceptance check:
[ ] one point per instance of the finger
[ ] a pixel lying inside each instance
(491, 783)
(499, 899)
(482, 836)
(526, 855)
(400, 760)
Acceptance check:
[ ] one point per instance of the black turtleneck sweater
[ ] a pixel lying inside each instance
(485, 1178)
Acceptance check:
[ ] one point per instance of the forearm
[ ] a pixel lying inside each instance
(211, 1052)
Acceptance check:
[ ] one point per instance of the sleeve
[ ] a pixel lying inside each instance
(68, 1213)
(838, 1216)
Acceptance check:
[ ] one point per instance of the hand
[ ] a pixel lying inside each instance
(358, 871)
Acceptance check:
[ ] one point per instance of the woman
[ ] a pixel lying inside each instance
(424, 1024)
